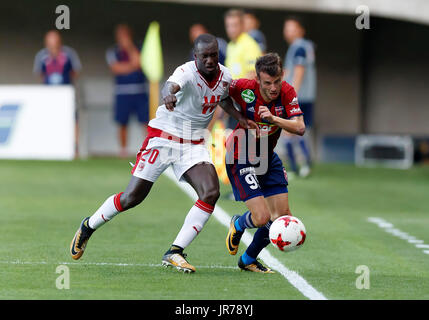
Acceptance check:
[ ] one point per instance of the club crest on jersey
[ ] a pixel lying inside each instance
(248, 96)
(140, 166)
(279, 111)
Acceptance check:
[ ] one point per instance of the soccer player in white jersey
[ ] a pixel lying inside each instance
(176, 138)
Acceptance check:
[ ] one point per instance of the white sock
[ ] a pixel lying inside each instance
(194, 223)
(110, 208)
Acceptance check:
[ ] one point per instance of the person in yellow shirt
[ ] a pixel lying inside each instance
(242, 51)
(241, 54)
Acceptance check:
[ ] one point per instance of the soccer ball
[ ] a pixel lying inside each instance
(287, 233)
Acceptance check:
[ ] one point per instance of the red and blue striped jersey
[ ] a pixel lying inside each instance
(246, 94)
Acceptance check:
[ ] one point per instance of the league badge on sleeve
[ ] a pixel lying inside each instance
(248, 96)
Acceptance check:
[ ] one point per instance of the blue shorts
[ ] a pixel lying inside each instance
(127, 104)
(307, 108)
(247, 185)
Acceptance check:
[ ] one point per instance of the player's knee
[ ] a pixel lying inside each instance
(130, 200)
(210, 196)
(285, 212)
(261, 219)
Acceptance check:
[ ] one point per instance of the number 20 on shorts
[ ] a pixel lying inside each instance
(152, 157)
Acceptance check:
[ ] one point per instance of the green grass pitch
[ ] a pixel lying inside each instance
(42, 204)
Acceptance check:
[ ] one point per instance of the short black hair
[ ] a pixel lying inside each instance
(205, 38)
(234, 13)
(269, 63)
(250, 11)
(297, 19)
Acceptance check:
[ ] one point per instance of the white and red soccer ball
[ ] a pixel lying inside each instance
(287, 233)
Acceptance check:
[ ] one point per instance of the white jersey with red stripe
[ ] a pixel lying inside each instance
(196, 102)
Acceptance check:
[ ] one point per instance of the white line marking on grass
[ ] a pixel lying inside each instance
(293, 277)
(415, 241)
(422, 246)
(119, 264)
(390, 228)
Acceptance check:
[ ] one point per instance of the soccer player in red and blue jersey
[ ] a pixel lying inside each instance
(255, 171)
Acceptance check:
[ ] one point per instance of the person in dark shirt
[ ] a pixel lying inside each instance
(130, 84)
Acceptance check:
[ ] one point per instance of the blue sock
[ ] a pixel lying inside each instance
(305, 150)
(247, 259)
(291, 156)
(244, 222)
(260, 241)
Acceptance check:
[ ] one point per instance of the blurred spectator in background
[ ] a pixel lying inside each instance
(198, 29)
(130, 84)
(57, 64)
(241, 52)
(251, 26)
(300, 72)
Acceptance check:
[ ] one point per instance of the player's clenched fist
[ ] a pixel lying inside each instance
(265, 113)
(170, 102)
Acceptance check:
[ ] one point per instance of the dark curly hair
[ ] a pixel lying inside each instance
(269, 63)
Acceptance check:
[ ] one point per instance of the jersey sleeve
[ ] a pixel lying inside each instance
(74, 59)
(38, 63)
(226, 79)
(300, 56)
(235, 88)
(290, 101)
(180, 76)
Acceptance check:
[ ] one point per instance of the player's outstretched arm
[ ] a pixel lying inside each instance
(246, 123)
(294, 125)
(168, 95)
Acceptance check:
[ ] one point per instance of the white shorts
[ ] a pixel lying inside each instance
(160, 153)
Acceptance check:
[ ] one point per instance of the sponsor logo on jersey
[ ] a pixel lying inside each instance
(248, 96)
(295, 110)
(247, 170)
(214, 101)
(208, 107)
(267, 128)
(251, 109)
(8, 114)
